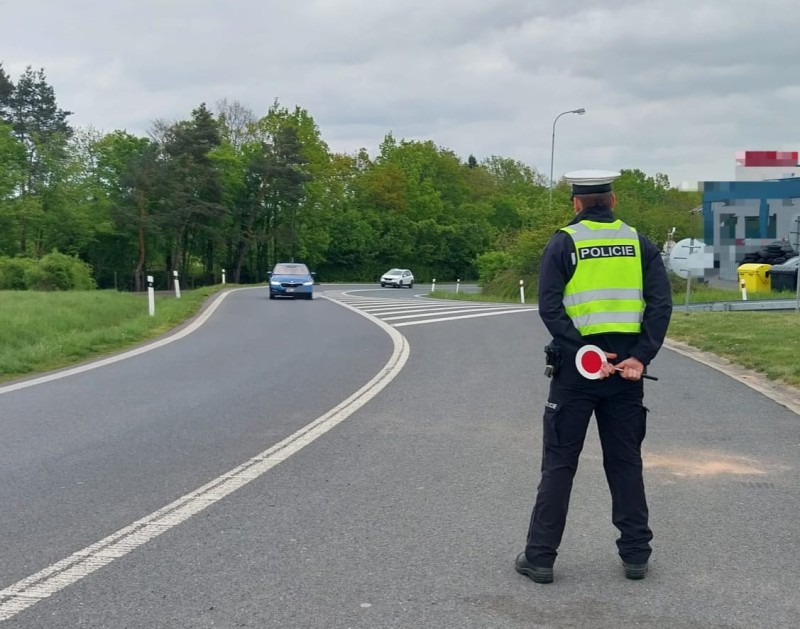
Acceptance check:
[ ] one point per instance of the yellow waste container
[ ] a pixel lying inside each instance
(755, 276)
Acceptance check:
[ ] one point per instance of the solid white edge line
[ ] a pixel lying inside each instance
(30, 590)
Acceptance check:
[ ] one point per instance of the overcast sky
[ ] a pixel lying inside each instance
(670, 86)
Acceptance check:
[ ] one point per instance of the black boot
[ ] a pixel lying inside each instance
(538, 574)
(635, 571)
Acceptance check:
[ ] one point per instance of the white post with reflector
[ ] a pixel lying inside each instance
(151, 296)
(177, 285)
(522, 291)
(433, 285)
(743, 286)
(458, 284)
(223, 277)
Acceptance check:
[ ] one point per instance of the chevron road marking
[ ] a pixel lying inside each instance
(472, 316)
(399, 312)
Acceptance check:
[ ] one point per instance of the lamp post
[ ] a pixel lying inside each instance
(580, 112)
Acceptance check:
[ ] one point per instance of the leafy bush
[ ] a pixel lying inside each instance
(13, 272)
(55, 271)
(506, 285)
(528, 249)
(491, 263)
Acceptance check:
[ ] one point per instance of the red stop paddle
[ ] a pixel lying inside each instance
(590, 360)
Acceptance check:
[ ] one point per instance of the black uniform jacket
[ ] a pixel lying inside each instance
(557, 269)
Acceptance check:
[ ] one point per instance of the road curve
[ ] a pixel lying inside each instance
(408, 514)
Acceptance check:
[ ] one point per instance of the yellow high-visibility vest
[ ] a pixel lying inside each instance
(605, 293)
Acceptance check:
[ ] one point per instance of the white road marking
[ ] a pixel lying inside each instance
(482, 310)
(45, 583)
(426, 308)
(381, 302)
(470, 316)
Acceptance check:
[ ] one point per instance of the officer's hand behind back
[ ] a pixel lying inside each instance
(631, 368)
(607, 368)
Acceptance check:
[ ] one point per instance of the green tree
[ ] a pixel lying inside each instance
(12, 174)
(237, 123)
(298, 202)
(12, 163)
(652, 206)
(30, 108)
(517, 188)
(191, 214)
(126, 174)
(76, 212)
(6, 92)
(353, 233)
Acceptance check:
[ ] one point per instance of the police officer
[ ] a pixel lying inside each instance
(600, 283)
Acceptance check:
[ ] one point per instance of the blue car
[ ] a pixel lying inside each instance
(289, 279)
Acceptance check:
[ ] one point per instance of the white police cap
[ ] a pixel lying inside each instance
(591, 181)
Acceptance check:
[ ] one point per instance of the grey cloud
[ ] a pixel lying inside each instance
(669, 87)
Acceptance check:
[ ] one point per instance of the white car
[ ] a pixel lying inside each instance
(398, 278)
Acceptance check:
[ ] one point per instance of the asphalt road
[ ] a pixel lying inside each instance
(405, 509)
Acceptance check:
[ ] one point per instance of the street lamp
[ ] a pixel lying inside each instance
(580, 112)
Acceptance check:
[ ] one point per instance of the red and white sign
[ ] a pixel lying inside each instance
(589, 361)
(755, 159)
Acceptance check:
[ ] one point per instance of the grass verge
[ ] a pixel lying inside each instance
(768, 342)
(441, 294)
(40, 331)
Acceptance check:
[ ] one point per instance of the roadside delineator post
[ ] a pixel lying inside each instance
(177, 285)
(223, 277)
(458, 284)
(151, 296)
(433, 285)
(522, 291)
(743, 284)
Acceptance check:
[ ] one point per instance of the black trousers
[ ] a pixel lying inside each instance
(621, 422)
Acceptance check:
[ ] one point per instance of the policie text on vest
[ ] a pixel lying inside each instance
(607, 251)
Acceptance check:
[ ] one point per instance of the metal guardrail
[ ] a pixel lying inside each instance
(725, 306)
